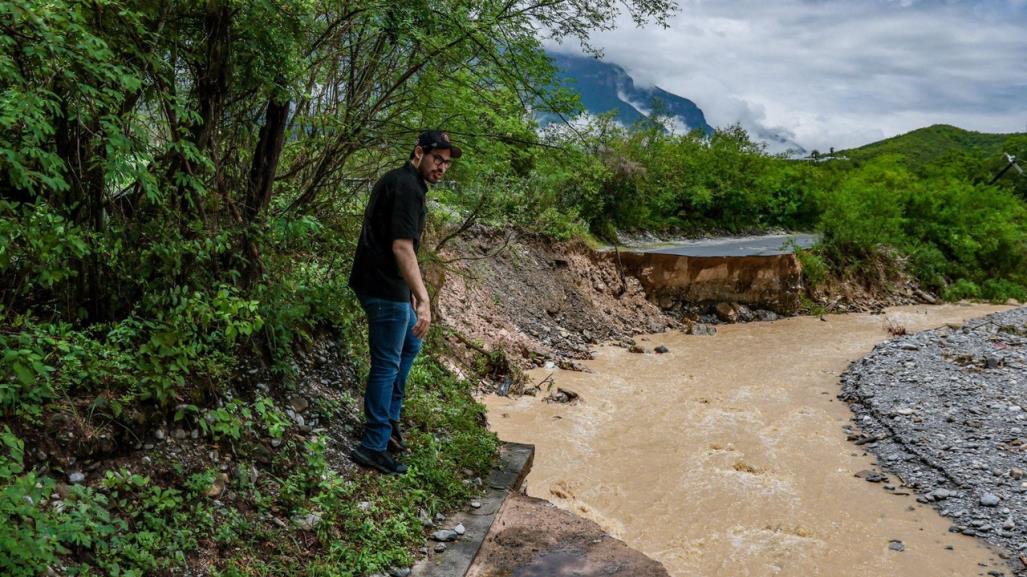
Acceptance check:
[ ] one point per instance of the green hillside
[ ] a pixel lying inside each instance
(926, 145)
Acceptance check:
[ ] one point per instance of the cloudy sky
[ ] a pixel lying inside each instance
(837, 73)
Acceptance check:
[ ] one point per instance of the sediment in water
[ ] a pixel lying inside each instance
(727, 455)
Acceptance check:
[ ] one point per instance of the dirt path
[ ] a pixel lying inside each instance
(726, 456)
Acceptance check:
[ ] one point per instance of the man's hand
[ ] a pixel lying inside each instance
(423, 309)
(406, 260)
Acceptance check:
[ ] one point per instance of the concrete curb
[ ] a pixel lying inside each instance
(514, 463)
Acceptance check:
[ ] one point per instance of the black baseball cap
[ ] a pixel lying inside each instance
(437, 139)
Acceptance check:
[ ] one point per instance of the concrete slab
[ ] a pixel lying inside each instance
(533, 538)
(514, 463)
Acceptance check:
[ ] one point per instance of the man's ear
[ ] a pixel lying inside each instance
(418, 155)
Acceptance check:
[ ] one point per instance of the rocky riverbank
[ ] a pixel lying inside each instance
(944, 411)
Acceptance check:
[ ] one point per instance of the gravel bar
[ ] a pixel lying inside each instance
(945, 410)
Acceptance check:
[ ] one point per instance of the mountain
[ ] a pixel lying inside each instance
(604, 87)
(924, 145)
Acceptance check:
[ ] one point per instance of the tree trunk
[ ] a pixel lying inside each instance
(261, 180)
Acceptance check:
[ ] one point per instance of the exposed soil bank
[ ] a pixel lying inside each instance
(944, 410)
(727, 455)
(539, 301)
(769, 282)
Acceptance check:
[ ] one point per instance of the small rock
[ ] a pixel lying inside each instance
(562, 396)
(1016, 473)
(218, 486)
(896, 545)
(159, 434)
(445, 535)
(661, 350)
(989, 500)
(299, 404)
(871, 476)
(76, 477)
(701, 329)
(307, 522)
(399, 572)
(459, 529)
(180, 434)
(636, 349)
(440, 547)
(726, 312)
(743, 312)
(476, 504)
(276, 443)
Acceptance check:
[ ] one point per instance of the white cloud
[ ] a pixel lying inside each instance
(838, 72)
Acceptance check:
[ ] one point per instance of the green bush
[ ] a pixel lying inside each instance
(958, 235)
(961, 289)
(815, 270)
(128, 526)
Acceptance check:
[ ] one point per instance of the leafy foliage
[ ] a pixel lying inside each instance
(180, 189)
(925, 146)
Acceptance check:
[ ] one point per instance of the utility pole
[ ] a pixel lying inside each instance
(1010, 164)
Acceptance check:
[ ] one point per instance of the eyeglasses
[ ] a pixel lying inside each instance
(440, 160)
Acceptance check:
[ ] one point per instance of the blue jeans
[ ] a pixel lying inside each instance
(393, 349)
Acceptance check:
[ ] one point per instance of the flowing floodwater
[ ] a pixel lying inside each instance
(726, 456)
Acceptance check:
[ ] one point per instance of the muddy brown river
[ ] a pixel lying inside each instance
(726, 456)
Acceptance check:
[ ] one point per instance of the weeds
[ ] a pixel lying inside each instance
(895, 328)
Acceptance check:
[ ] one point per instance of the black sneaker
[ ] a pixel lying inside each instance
(380, 460)
(396, 444)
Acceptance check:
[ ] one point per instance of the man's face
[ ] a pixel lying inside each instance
(433, 164)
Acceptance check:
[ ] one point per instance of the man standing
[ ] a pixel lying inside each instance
(387, 280)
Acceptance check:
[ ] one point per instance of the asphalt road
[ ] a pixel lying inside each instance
(745, 246)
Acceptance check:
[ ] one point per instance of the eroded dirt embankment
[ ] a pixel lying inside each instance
(538, 300)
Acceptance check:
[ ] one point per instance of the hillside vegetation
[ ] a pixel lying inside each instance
(181, 187)
(929, 144)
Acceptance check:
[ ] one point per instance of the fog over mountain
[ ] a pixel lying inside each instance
(606, 87)
(835, 73)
